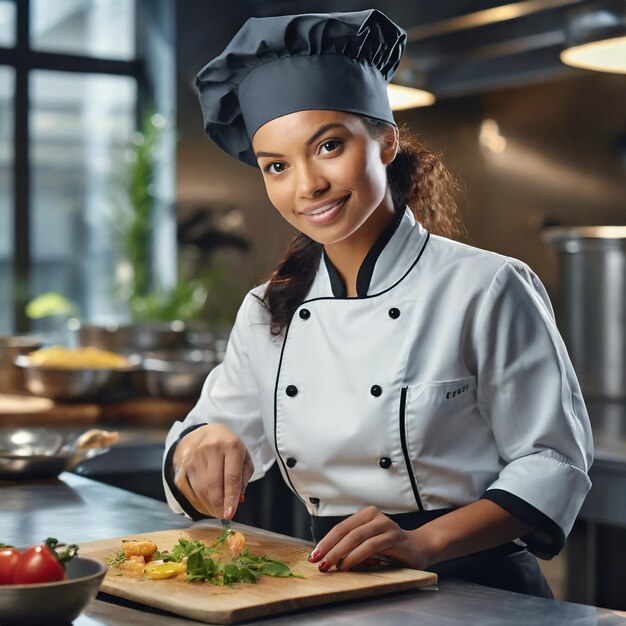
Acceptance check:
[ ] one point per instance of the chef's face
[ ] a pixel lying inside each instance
(325, 172)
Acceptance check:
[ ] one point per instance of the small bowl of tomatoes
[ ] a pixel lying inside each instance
(47, 583)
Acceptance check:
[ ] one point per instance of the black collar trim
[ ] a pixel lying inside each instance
(337, 285)
(364, 277)
(380, 293)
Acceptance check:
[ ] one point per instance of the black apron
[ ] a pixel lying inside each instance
(509, 566)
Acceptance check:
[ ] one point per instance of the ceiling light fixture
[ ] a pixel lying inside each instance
(402, 98)
(596, 37)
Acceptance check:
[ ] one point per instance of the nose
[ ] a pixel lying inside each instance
(310, 180)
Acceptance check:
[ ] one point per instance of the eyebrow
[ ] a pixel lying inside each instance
(316, 135)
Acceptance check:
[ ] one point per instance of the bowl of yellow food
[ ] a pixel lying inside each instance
(62, 373)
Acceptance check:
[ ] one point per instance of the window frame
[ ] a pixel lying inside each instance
(23, 59)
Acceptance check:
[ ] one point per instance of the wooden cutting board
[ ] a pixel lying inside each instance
(206, 602)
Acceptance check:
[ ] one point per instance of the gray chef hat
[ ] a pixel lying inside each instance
(278, 65)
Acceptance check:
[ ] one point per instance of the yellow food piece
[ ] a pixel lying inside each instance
(157, 570)
(138, 548)
(79, 358)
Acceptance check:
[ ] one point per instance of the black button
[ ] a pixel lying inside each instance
(291, 462)
(394, 313)
(305, 314)
(385, 462)
(376, 390)
(292, 391)
(314, 500)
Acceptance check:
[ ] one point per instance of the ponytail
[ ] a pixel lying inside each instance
(419, 179)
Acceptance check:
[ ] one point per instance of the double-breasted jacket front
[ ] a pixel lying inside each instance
(444, 381)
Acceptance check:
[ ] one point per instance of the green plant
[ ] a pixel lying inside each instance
(49, 303)
(203, 289)
(135, 217)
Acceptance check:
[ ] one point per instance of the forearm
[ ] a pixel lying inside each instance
(472, 528)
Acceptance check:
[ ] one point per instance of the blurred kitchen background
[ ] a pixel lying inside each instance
(122, 226)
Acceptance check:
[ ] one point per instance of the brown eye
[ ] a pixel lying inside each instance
(275, 168)
(331, 144)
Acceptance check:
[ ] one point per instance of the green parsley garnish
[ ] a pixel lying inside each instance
(203, 564)
(184, 548)
(226, 533)
(115, 560)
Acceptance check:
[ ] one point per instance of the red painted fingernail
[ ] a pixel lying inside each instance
(323, 566)
(315, 555)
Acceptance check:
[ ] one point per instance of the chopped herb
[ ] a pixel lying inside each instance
(184, 548)
(115, 560)
(226, 533)
(204, 565)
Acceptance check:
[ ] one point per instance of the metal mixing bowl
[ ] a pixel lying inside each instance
(177, 374)
(35, 453)
(139, 337)
(71, 384)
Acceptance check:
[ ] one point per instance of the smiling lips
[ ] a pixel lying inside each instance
(325, 212)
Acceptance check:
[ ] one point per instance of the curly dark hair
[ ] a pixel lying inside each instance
(417, 178)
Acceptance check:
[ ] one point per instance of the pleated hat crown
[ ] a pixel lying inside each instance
(278, 65)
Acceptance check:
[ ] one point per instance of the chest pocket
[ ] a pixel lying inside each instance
(438, 415)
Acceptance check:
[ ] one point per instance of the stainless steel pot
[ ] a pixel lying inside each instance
(592, 305)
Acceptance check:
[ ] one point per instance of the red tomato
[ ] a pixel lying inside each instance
(37, 565)
(8, 560)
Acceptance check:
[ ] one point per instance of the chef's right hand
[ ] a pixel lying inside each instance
(212, 468)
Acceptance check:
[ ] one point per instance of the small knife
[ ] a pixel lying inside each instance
(226, 522)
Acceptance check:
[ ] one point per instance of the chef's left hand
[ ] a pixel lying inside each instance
(365, 534)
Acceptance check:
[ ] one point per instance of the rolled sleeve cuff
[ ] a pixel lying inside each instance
(168, 475)
(546, 539)
(544, 492)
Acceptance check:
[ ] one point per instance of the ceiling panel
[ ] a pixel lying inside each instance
(456, 47)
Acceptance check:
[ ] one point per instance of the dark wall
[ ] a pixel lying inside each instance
(206, 176)
(564, 162)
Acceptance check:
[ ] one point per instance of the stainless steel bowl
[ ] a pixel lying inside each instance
(177, 374)
(53, 603)
(139, 337)
(71, 384)
(35, 453)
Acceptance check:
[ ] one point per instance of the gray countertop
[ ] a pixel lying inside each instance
(77, 509)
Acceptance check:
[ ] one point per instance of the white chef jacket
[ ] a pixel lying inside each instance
(444, 381)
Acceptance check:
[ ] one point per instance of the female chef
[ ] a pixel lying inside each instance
(414, 390)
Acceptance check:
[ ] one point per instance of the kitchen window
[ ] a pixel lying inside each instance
(72, 82)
